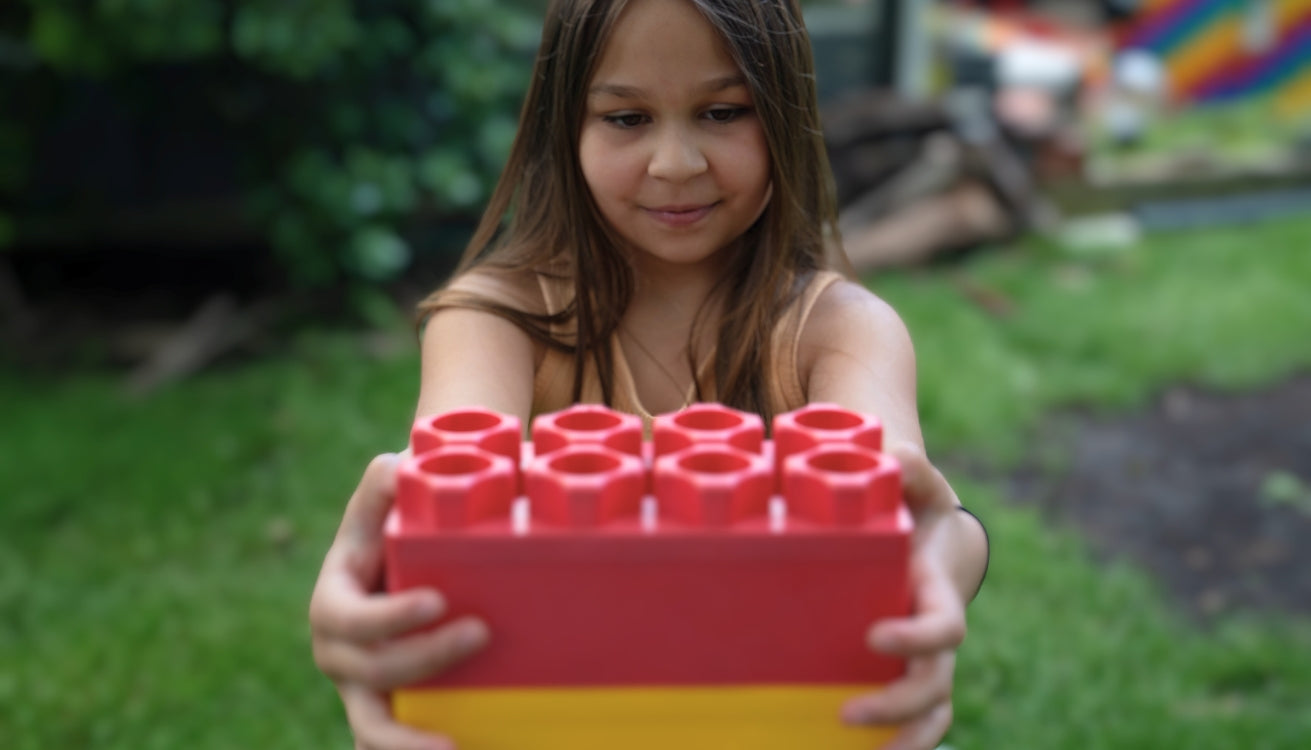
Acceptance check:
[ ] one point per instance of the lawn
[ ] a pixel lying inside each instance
(158, 554)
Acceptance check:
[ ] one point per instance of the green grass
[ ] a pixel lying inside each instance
(157, 556)
(1226, 308)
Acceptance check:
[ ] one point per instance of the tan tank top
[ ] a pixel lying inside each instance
(554, 379)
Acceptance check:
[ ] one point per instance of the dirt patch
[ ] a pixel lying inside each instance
(1209, 492)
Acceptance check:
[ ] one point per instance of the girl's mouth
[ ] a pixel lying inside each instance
(680, 216)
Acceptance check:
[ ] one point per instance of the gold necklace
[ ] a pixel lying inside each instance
(678, 387)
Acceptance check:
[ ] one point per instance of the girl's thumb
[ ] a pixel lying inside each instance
(372, 500)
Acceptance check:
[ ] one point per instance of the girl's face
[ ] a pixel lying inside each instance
(671, 148)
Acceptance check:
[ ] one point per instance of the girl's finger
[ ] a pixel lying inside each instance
(366, 512)
(356, 552)
(404, 661)
(925, 732)
(926, 684)
(423, 655)
(938, 622)
(338, 609)
(375, 729)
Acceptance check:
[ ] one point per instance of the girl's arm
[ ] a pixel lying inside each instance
(857, 353)
(363, 639)
(476, 358)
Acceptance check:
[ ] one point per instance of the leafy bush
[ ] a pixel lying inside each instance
(355, 119)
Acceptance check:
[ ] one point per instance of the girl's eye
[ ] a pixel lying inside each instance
(725, 114)
(625, 120)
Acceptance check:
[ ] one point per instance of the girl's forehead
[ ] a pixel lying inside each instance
(663, 40)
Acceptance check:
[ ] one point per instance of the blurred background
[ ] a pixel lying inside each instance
(216, 217)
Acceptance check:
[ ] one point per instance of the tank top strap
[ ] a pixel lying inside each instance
(553, 382)
(787, 391)
(557, 291)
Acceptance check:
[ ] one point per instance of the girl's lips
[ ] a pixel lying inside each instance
(680, 216)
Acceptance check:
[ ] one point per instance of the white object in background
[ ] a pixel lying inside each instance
(1138, 88)
(1032, 63)
(1139, 72)
(1100, 232)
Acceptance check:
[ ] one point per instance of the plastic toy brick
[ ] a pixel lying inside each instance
(689, 590)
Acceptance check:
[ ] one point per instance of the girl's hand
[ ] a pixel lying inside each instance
(357, 632)
(920, 702)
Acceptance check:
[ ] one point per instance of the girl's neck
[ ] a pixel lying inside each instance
(671, 305)
(675, 290)
(666, 334)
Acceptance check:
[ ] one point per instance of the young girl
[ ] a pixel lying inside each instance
(663, 233)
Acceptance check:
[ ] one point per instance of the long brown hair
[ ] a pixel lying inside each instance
(542, 219)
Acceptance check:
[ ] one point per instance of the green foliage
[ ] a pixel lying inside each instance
(356, 118)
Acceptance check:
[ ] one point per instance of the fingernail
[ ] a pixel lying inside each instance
(472, 635)
(429, 606)
(882, 640)
(852, 715)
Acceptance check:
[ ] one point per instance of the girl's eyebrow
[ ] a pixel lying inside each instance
(712, 86)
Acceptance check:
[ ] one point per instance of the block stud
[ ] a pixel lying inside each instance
(454, 487)
(700, 424)
(583, 486)
(587, 424)
(841, 485)
(712, 486)
(819, 423)
(484, 428)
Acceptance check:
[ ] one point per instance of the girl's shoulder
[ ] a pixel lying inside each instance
(478, 345)
(523, 290)
(847, 319)
(843, 303)
(856, 351)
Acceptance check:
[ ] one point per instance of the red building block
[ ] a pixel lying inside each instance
(701, 424)
(691, 614)
(814, 424)
(486, 429)
(589, 424)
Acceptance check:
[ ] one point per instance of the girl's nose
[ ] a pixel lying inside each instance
(676, 157)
